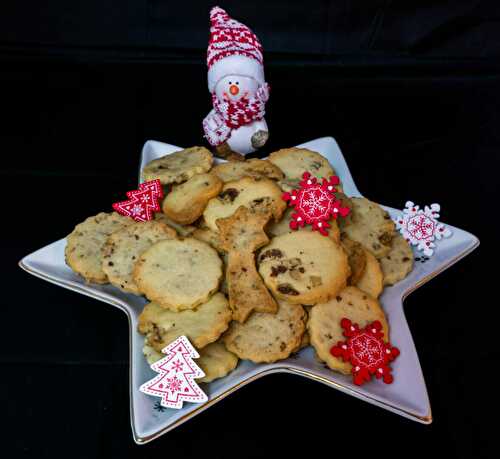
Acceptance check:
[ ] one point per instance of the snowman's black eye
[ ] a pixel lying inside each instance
(237, 82)
(230, 83)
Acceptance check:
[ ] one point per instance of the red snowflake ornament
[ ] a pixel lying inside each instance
(367, 352)
(142, 203)
(315, 203)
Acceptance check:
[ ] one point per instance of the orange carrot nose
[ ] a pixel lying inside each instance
(234, 90)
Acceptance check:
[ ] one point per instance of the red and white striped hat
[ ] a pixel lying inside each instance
(233, 49)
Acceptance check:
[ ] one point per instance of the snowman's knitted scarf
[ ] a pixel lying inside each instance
(227, 115)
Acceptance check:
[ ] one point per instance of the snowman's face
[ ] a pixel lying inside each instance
(234, 87)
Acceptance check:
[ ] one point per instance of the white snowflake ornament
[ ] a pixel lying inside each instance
(420, 227)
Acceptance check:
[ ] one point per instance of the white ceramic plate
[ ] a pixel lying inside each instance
(407, 396)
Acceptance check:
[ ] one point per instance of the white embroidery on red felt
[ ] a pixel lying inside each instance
(142, 203)
(367, 352)
(420, 227)
(315, 203)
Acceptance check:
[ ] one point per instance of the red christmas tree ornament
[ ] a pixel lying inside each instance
(142, 203)
(367, 352)
(315, 203)
(175, 383)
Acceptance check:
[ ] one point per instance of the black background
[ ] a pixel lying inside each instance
(411, 92)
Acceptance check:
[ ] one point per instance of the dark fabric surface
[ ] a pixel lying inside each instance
(411, 93)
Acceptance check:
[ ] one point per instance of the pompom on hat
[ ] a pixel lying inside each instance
(233, 49)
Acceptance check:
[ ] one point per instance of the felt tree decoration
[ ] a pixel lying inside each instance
(177, 372)
(142, 203)
(315, 203)
(367, 352)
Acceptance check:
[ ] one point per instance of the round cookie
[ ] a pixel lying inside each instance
(186, 202)
(295, 161)
(256, 168)
(178, 274)
(183, 231)
(210, 237)
(283, 226)
(216, 362)
(202, 325)
(151, 354)
(356, 256)
(84, 245)
(304, 267)
(249, 192)
(372, 280)
(179, 166)
(324, 323)
(398, 262)
(266, 337)
(370, 225)
(124, 247)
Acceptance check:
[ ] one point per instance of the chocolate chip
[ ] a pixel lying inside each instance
(273, 253)
(276, 270)
(405, 259)
(230, 194)
(110, 263)
(287, 289)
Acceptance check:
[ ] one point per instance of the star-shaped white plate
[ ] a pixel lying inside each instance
(407, 396)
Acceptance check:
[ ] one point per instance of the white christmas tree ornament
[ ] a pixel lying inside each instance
(175, 383)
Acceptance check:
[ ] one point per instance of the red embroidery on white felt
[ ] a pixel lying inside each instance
(142, 203)
(367, 352)
(315, 203)
(420, 227)
(175, 384)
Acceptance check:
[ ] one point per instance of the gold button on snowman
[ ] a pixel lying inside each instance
(237, 84)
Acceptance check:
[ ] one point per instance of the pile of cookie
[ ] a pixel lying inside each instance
(222, 266)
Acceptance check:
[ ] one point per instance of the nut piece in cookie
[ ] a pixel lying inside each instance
(398, 262)
(372, 280)
(267, 337)
(241, 235)
(304, 267)
(85, 244)
(124, 247)
(178, 274)
(324, 323)
(256, 194)
(356, 256)
(370, 225)
(295, 161)
(202, 325)
(186, 202)
(256, 168)
(179, 166)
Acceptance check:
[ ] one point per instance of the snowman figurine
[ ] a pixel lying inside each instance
(237, 84)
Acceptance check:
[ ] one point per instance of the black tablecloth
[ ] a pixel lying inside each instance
(419, 127)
